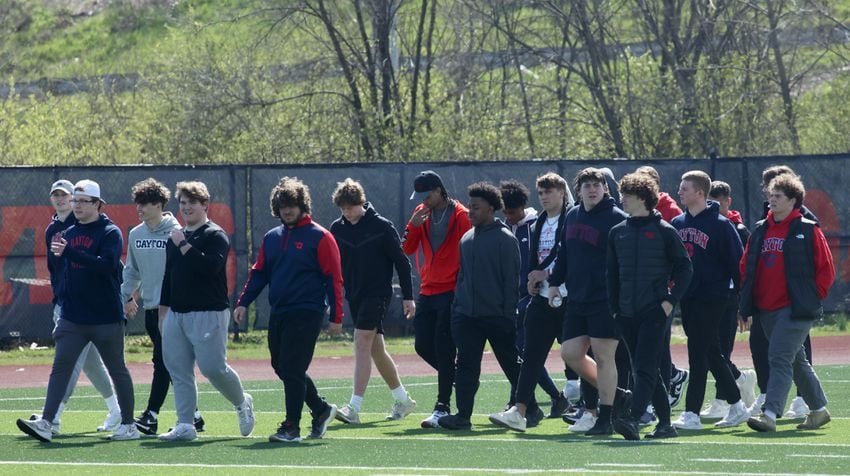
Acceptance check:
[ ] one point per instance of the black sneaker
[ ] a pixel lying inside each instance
(574, 415)
(627, 427)
(146, 423)
(199, 424)
(287, 433)
(677, 384)
(647, 418)
(622, 404)
(321, 421)
(454, 422)
(559, 406)
(666, 431)
(534, 417)
(600, 428)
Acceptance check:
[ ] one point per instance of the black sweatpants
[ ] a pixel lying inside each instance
(701, 318)
(161, 377)
(292, 340)
(644, 338)
(759, 346)
(545, 382)
(726, 332)
(470, 334)
(108, 339)
(542, 328)
(432, 327)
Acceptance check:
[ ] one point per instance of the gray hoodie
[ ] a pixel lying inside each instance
(145, 266)
(489, 272)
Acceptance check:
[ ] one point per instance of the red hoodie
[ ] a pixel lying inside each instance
(735, 217)
(439, 271)
(771, 265)
(667, 207)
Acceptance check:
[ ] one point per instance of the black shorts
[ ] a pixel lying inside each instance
(591, 319)
(368, 313)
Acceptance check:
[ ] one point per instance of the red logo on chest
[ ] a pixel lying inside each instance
(649, 235)
(299, 245)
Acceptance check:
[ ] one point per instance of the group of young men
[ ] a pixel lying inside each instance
(601, 276)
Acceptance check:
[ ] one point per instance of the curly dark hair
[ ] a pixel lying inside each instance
(150, 190)
(791, 186)
(514, 193)
(193, 191)
(290, 192)
(349, 192)
(487, 191)
(641, 185)
(774, 171)
(589, 174)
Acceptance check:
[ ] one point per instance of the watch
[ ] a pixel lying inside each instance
(182, 243)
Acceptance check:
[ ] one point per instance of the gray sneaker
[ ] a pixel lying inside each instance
(401, 409)
(125, 432)
(39, 429)
(55, 426)
(245, 414)
(347, 414)
(180, 432)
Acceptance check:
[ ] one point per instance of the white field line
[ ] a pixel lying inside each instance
(621, 470)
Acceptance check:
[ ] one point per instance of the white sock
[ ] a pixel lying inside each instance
(820, 409)
(197, 413)
(356, 402)
(739, 405)
(58, 417)
(400, 394)
(770, 414)
(112, 404)
(153, 414)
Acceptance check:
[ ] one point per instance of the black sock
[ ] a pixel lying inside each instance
(605, 412)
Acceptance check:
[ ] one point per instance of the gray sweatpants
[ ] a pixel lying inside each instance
(788, 361)
(90, 363)
(198, 336)
(71, 339)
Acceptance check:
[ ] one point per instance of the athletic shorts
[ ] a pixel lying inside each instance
(368, 313)
(591, 319)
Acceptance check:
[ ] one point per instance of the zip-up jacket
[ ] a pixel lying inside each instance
(715, 251)
(369, 250)
(197, 281)
(522, 232)
(786, 264)
(91, 292)
(581, 259)
(438, 274)
(301, 266)
(644, 255)
(489, 272)
(667, 207)
(56, 228)
(145, 266)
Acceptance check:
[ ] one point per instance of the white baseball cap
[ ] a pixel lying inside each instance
(88, 187)
(64, 185)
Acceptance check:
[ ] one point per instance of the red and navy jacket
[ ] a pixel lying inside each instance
(302, 268)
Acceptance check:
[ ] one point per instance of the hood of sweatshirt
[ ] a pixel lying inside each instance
(735, 217)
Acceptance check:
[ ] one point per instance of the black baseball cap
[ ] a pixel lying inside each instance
(424, 183)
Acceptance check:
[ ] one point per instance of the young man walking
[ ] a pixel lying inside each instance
(195, 313)
(715, 251)
(370, 248)
(644, 255)
(143, 274)
(89, 259)
(787, 271)
(299, 262)
(437, 225)
(485, 304)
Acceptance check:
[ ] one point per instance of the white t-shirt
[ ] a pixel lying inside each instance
(548, 233)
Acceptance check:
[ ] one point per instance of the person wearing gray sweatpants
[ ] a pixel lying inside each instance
(89, 360)
(194, 314)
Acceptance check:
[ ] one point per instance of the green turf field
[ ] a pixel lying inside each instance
(379, 447)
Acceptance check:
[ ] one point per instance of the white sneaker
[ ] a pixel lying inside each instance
(432, 421)
(737, 414)
(180, 432)
(347, 414)
(401, 409)
(584, 423)
(572, 390)
(113, 420)
(688, 421)
(54, 427)
(755, 408)
(798, 409)
(245, 414)
(747, 386)
(39, 429)
(125, 432)
(715, 409)
(510, 419)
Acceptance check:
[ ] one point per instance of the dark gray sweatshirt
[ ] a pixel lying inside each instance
(488, 279)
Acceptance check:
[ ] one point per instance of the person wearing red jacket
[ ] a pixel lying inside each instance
(437, 225)
(787, 270)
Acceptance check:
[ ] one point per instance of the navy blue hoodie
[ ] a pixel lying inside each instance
(715, 250)
(56, 229)
(581, 261)
(91, 293)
